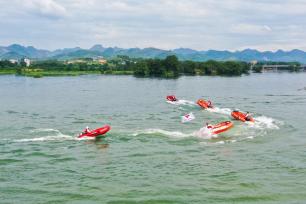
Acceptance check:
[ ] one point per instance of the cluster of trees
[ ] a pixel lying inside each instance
(171, 67)
(6, 64)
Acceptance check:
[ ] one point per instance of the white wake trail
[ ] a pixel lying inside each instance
(224, 111)
(174, 134)
(182, 102)
(55, 136)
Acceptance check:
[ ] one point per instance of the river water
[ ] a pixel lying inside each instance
(149, 156)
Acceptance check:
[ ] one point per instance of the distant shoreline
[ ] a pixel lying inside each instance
(40, 74)
(170, 67)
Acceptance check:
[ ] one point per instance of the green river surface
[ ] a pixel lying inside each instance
(149, 156)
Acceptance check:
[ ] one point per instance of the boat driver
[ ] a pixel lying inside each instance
(247, 116)
(86, 130)
(208, 126)
(209, 104)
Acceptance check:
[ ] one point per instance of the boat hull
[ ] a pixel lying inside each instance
(97, 132)
(221, 127)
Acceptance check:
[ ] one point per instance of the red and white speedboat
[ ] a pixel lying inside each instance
(220, 127)
(95, 133)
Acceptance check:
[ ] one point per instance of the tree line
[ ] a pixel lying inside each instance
(170, 67)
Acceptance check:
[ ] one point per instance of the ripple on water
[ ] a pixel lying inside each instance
(62, 160)
(83, 121)
(5, 162)
(12, 112)
(42, 154)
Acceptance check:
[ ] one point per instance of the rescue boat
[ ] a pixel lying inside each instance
(171, 98)
(95, 133)
(241, 116)
(220, 127)
(204, 104)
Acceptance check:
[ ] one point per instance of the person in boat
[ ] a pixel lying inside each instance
(209, 104)
(248, 116)
(235, 111)
(208, 126)
(87, 130)
(171, 98)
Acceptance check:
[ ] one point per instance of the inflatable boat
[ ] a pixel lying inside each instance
(95, 133)
(204, 104)
(171, 98)
(220, 127)
(241, 116)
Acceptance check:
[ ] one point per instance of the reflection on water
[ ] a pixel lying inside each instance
(98, 142)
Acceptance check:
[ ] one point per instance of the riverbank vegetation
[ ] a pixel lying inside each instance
(170, 67)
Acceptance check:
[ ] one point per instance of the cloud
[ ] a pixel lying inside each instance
(45, 8)
(198, 24)
(251, 29)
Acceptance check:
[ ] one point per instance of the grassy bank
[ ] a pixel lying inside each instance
(5, 72)
(38, 74)
(42, 73)
(118, 72)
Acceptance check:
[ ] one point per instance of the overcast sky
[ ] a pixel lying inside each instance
(167, 24)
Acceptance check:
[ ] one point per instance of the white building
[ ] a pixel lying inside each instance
(27, 61)
(14, 61)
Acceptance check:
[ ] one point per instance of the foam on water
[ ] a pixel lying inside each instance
(175, 134)
(54, 138)
(44, 130)
(182, 102)
(46, 138)
(222, 142)
(58, 136)
(224, 111)
(264, 122)
(204, 133)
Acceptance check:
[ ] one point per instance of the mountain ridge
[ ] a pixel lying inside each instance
(16, 51)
